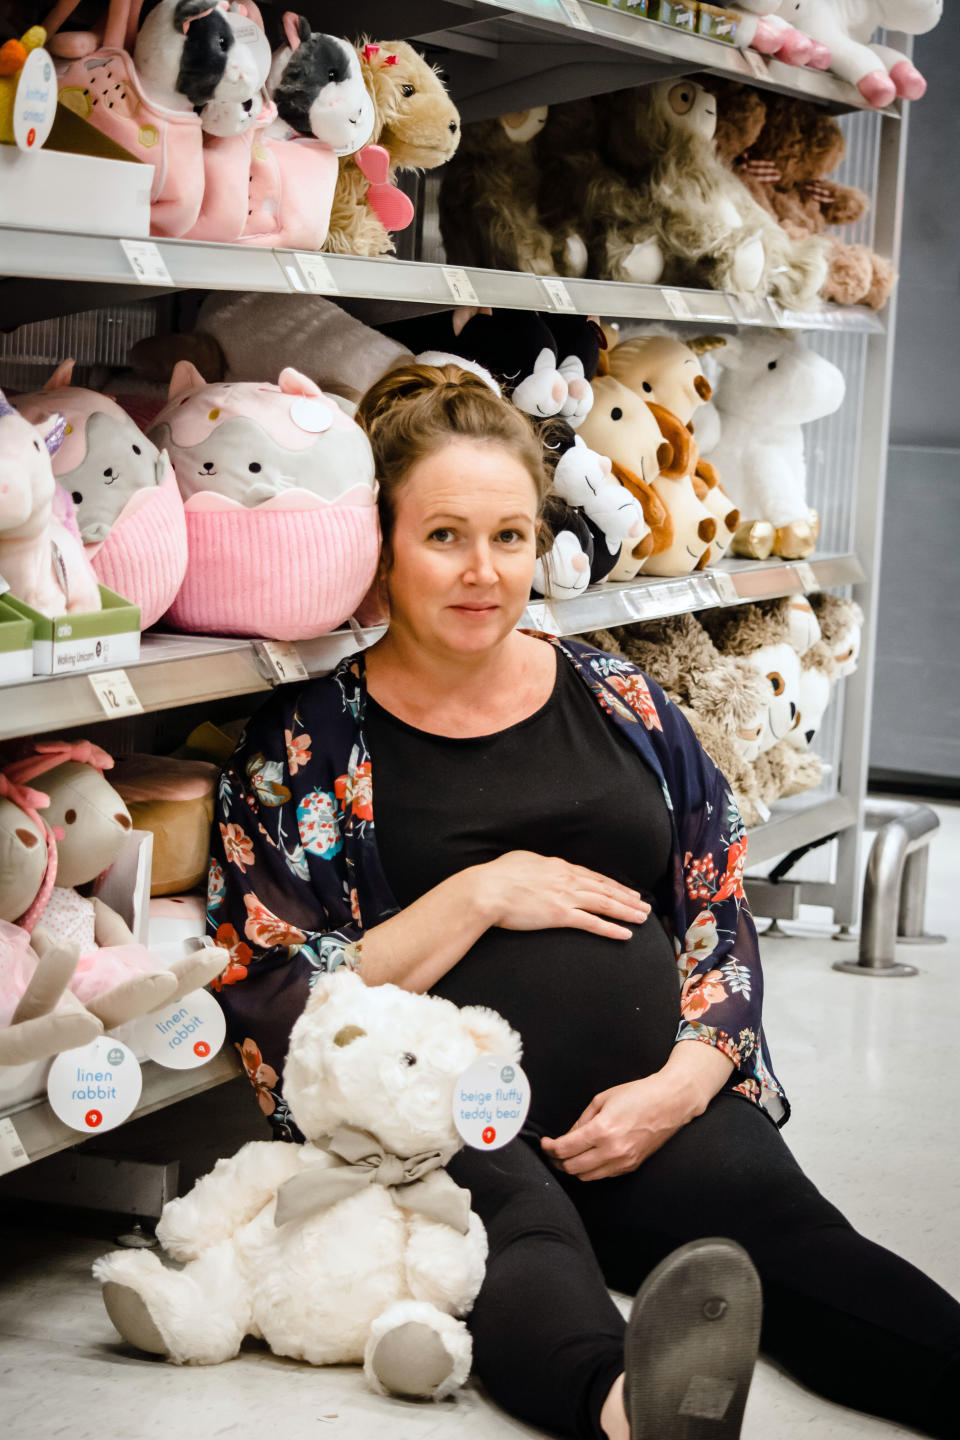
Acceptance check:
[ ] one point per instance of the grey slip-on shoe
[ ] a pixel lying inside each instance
(691, 1344)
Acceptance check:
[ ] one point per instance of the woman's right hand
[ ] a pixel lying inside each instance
(525, 891)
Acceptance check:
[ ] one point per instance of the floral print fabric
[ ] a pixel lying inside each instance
(295, 874)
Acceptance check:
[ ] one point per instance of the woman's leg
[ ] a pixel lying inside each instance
(548, 1340)
(853, 1321)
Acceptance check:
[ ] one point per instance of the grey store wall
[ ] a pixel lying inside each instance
(916, 714)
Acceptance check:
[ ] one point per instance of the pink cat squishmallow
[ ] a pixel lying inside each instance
(128, 507)
(251, 442)
(280, 503)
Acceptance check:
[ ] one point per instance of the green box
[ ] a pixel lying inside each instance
(717, 23)
(88, 640)
(16, 644)
(682, 15)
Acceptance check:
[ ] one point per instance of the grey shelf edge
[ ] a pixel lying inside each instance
(184, 670)
(652, 599)
(41, 254)
(42, 1133)
(672, 45)
(792, 825)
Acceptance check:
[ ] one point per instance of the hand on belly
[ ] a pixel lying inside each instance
(525, 891)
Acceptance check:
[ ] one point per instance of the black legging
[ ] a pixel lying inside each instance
(849, 1319)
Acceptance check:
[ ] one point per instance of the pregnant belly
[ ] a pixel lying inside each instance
(591, 1012)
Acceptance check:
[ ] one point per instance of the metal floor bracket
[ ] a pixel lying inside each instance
(894, 888)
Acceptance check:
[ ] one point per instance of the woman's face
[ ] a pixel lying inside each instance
(463, 549)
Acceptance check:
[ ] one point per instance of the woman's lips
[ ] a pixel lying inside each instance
(475, 609)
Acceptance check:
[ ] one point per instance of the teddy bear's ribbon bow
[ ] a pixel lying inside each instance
(416, 1182)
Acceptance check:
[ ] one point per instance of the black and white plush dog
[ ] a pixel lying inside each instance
(317, 86)
(190, 52)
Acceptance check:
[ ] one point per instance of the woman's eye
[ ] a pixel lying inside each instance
(443, 534)
(509, 537)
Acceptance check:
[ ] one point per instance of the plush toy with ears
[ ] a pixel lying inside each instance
(845, 27)
(115, 978)
(41, 559)
(488, 197)
(267, 1236)
(841, 624)
(416, 127)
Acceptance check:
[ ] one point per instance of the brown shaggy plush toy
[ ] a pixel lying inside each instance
(584, 199)
(488, 200)
(416, 121)
(784, 165)
(713, 233)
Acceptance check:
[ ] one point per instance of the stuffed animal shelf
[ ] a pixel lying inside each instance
(266, 1238)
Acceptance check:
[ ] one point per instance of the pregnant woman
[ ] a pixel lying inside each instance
(527, 823)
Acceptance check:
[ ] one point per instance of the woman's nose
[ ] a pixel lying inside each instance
(481, 567)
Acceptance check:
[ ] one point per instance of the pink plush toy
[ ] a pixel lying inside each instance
(128, 506)
(280, 505)
(41, 560)
(115, 978)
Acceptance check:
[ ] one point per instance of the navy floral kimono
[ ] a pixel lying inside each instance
(295, 874)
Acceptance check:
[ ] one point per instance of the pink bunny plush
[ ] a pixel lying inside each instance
(128, 506)
(280, 505)
(40, 558)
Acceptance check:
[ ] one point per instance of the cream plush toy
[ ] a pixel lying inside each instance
(353, 1247)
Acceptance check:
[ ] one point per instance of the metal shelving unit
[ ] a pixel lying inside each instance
(503, 55)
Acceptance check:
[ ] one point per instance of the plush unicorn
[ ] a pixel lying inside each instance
(41, 560)
(879, 72)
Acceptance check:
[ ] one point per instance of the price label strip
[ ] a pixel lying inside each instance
(184, 1035)
(756, 64)
(808, 577)
(727, 592)
(95, 1087)
(114, 690)
(676, 304)
(12, 1154)
(460, 286)
(490, 1102)
(146, 262)
(558, 294)
(317, 275)
(574, 14)
(284, 659)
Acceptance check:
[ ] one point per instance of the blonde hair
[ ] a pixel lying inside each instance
(414, 411)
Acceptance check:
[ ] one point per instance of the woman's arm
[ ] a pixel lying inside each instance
(518, 891)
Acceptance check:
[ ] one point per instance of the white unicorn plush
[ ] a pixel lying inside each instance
(879, 72)
(41, 560)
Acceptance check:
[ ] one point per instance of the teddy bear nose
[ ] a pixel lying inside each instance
(707, 529)
(124, 821)
(109, 470)
(208, 464)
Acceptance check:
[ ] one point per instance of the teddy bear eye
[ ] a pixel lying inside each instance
(77, 498)
(70, 817)
(648, 388)
(772, 365)
(255, 467)
(408, 90)
(407, 1059)
(137, 450)
(681, 99)
(616, 413)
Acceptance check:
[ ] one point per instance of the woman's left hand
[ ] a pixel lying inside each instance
(622, 1126)
(619, 1129)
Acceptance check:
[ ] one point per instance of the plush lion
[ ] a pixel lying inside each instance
(417, 123)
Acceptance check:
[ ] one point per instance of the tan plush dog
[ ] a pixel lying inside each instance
(415, 121)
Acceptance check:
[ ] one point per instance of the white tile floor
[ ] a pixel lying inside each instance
(888, 1156)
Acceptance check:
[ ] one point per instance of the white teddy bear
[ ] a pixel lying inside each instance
(355, 1246)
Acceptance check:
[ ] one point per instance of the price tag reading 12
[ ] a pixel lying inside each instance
(490, 1102)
